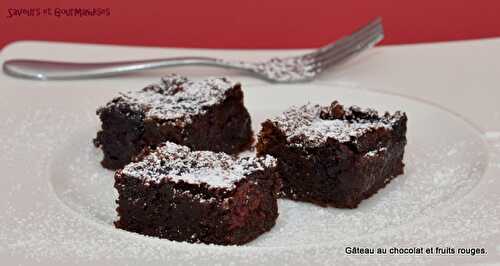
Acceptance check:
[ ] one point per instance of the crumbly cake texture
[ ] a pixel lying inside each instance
(198, 196)
(203, 115)
(334, 156)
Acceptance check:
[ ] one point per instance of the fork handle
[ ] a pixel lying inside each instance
(52, 70)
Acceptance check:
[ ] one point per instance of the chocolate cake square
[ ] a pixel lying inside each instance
(334, 156)
(203, 115)
(198, 196)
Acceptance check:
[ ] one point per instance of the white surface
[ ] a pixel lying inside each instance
(56, 202)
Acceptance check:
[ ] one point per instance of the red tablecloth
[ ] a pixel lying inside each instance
(245, 23)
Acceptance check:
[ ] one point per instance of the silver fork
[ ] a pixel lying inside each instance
(288, 69)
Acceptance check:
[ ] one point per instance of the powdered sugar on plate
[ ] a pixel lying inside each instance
(493, 137)
(60, 210)
(178, 163)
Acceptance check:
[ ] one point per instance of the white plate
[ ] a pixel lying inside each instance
(58, 205)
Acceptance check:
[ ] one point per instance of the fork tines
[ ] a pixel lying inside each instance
(335, 52)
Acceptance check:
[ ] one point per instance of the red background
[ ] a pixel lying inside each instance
(252, 23)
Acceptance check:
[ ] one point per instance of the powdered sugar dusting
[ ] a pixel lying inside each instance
(178, 163)
(493, 137)
(441, 201)
(305, 126)
(291, 69)
(375, 152)
(176, 97)
(340, 130)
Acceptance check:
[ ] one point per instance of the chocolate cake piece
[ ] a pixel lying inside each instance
(198, 196)
(334, 156)
(203, 115)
